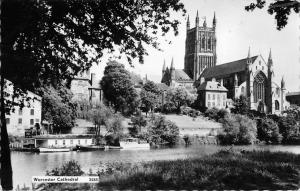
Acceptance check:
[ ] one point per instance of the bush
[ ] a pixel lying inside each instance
(112, 140)
(238, 129)
(212, 113)
(71, 168)
(289, 128)
(169, 108)
(268, 131)
(162, 131)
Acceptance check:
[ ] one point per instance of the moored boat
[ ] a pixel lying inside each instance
(51, 150)
(89, 148)
(134, 143)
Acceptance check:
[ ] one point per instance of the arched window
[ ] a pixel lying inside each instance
(209, 44)
(259, 87)
(243, 90)
(203, 42)
(276, 105)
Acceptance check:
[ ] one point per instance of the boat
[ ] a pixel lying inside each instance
(134, 143)
(89, 148)
(51, 150)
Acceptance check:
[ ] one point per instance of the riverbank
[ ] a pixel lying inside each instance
(222, 170)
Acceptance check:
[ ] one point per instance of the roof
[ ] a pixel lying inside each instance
(227, 68)
(162, 86)
(181, 75)
(293, 94)
(212, 86)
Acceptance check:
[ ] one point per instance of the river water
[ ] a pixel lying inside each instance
(25, 165)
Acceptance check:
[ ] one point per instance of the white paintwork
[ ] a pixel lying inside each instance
(50, 150)
(133, 143)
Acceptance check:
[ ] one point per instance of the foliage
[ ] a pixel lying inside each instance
(282, 9)
(289, 128)
(118, 88)
(238, 129)
(241, 106)
(179, 96)
(58, 107)
(169, 107)
(71, 168)
(268, 131)
(138, 122)
(215, 113)
(150, 95)
(100, 116)
(162, 131)
(187, 140)
(253, 170)
(114, 125)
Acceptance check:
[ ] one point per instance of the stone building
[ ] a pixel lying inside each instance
(86, 88)
(293, 98)
(20, 119)
(212, 94)
(253, 78)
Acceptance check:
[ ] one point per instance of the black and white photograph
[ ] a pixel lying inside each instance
(149, 95)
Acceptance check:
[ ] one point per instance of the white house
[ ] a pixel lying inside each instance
(20, 119)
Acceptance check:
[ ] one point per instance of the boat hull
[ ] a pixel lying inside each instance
(89, 148)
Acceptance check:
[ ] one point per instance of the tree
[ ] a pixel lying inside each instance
(48, 42)
(149, 96)
(58, 108)
(138, 122)
(241, 106)
(162, 131)
(179, 96)
(238, 129)
(289, 128)
(118, 88)
(267, 130)
(282, 9)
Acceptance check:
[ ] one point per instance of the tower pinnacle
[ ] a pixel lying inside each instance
(197, 19)
(214, 20)
(282, 83)
(188, 23)
(172, 64)
(248, 53)
(204, 23)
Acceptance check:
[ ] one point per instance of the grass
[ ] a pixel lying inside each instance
(223, 170)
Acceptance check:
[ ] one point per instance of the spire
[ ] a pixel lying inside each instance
(188, 23)
(248, 52)
(270, 60)
(204, 23)
(283, 83)
(164, 66)
(197, 19)
(214, 20)
(172, 64)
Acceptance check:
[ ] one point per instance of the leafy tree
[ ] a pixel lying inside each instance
(238, 129)
(241, 106)
(149, 96)
(179, 96)
(58, 108)
(289, 128)
(267, 130)
(162, 131)
(48, 42)
(118, 88)
(282, 9)
(114, 125)
(138, 122)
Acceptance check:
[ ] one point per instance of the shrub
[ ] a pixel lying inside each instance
(289, 128)
(238, 129)
(162, 131)
(169, 108)
(268, 131)
(222, 113)
(212, 113)
(71, 168)
(187, 140)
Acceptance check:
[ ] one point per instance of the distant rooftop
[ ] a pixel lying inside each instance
(212, 86)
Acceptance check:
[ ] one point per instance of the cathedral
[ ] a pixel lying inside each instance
(250, 76)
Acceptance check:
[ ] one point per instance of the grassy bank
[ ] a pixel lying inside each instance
(223, 170)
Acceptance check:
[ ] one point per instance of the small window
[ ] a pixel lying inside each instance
(37, 120)
(64, 142)
(56, 142)
(32, 112)
(259, 62)
(71, 141)
(7, 121)
(208, 104)
(208, 96)
(214, 97)
(31, 121)
(263, 67)
(224, 103)
(213, 104)
(20, 121)
(78, 142)
(20, 112)
(86, 141)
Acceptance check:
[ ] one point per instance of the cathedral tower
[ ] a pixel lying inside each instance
(269, 101)
(200, 48)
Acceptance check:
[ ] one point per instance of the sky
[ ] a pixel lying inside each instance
(237, 30)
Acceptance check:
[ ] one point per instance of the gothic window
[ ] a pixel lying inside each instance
(203, 42)
(243, 90)
(209, 43)
(276, 105)
(259, 87)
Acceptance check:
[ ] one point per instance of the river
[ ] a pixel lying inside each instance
(25, 165)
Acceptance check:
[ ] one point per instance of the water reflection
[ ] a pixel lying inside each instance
(26, 165)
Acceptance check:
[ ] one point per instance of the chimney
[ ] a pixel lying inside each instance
(93, 79)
